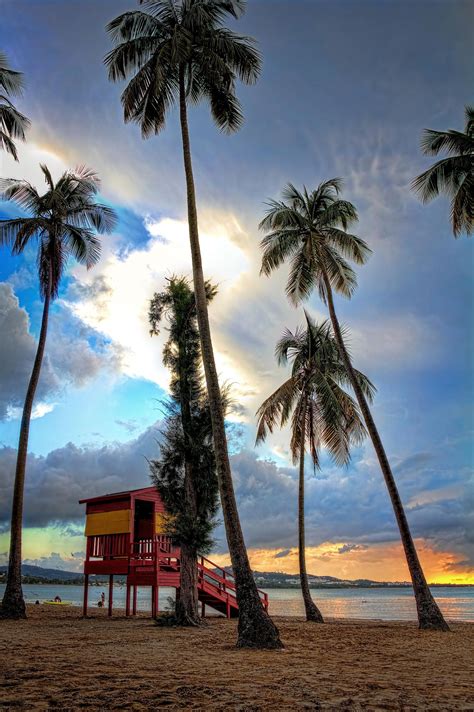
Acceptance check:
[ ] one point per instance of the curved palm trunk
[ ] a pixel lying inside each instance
(256, 629)
(312, 611)
(429, 614)
(13, 604)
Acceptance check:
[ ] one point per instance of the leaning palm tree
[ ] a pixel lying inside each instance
(322, 414)
(454, 175)
(310, 230)
(179, 52)
(12, 123)
(64, 222)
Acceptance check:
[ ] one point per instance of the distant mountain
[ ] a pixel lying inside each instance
(264, 579)
(278, 579)
(49, 574)
(37, 574)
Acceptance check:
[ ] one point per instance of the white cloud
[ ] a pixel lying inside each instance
(114, 299)
(39, 410)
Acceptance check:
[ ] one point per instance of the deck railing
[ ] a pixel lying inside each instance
(107, 546)
(223, 579)
(161, 553)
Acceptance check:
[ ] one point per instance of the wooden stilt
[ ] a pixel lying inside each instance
(127, 600)
(203, 609)
(134, 609)
(157, 600)
(228, 607)
(86, 594)
(153, 612)
(111, 593)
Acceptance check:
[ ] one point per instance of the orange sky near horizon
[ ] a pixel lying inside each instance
(379, 562)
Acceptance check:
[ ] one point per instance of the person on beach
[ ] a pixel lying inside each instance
(57, 599)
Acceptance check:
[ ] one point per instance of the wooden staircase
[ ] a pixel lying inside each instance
(156, 563)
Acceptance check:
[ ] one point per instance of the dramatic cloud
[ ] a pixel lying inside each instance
(350, 507)
(69, 357)
(17, 353)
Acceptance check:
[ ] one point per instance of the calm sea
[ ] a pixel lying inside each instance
(382, 603)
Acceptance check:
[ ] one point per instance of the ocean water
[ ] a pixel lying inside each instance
(369, 603)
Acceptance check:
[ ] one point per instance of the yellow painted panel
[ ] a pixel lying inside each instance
(162, 522)
(115, 522)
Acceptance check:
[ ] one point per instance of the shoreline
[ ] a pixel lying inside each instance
(56, 658)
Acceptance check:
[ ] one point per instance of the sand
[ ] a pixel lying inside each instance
(57, 660)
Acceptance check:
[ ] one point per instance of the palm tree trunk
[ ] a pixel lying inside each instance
(312, 611)
(187, 608)
(13, 603)
(429, 614)
(256, 629)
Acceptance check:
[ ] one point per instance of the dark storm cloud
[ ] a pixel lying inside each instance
(282, 554)
(55, 483)
(346, 505)
(17, 353)
(69, 357)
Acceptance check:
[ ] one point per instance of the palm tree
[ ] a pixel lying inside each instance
(179, 52)
(185, 473)
(12, 124)
(64, 222)
(310, 230)
(323, 414)
(453, 176)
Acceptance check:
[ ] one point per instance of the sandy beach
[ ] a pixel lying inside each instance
(58, 660)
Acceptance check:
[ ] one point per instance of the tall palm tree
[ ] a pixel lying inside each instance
(179, 52)
(322, 414)
(185, 473)
(453, 176)
(64, 222)
(12, 123)
(310, 230)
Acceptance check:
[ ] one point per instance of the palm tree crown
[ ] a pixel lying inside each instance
(454, 175)
(323, 413)
(12, 123)
(310, 229)
(64, 220)
(181, 40)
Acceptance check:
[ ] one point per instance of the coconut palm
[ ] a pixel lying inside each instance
(64, 222)
(310, 230)
(453, 176)
(185, 473)
(179, 52)
(12, 123)
(322, 414)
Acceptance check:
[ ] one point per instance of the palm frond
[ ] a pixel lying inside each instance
(456, 142)
(462, 207)
(82, 244)
(275, 410)
(304, 273)
(443, 176)
(350, 246)
(341, 275)
(10, 80)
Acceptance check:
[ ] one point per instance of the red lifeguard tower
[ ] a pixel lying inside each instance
(125, 537)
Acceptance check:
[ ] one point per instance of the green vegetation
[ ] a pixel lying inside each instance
(453, 176)
(185, 474)
(322, 414)
(310, 230)
(180, 53)
(64, 222)
(13, 124)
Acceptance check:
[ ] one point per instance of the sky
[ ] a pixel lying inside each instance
(346, 89)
